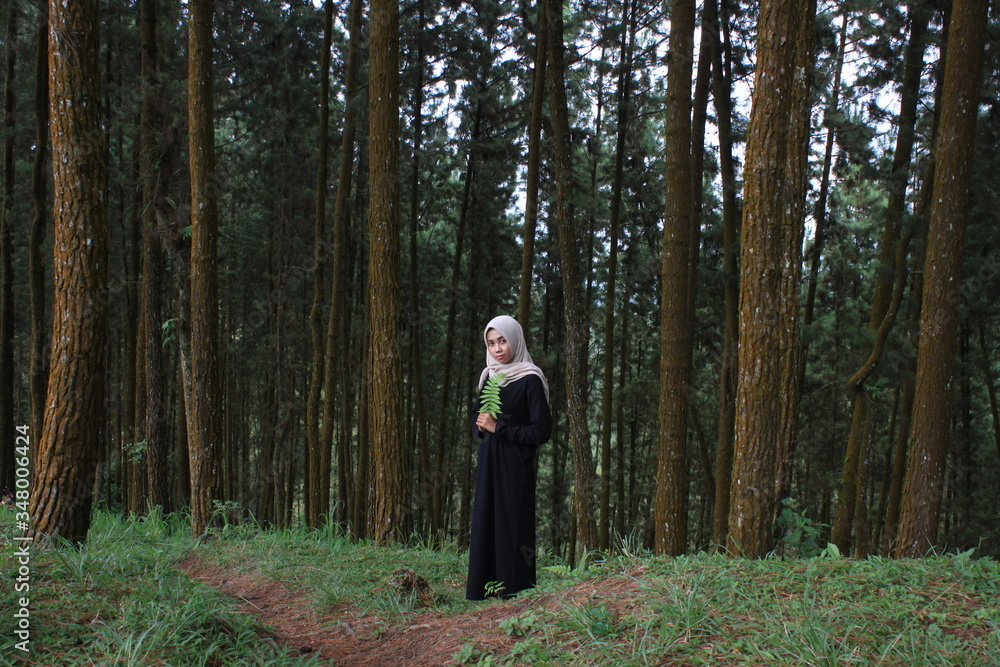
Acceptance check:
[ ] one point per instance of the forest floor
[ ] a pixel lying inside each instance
(368, 606)
(142, 591)
(345, 636)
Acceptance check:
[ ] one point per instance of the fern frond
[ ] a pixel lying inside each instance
(489, 399)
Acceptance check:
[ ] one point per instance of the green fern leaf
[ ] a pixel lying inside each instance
(489, 399)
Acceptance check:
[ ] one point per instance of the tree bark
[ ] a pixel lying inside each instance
(440, 454)
(75, 415)
(890, 281)
(624, 99)
(156, 153)
(417, 424)
(388, 518)
(675, 326)
(336, 313)
(204, 443)
(722, 91)
(314, 456)
(922, 492)
(572, 281)
(773, 216)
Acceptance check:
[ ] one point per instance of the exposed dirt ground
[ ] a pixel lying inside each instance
(343, 638)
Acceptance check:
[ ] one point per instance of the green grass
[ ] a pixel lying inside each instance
(335, 572)
(709, 610)
(121, 600)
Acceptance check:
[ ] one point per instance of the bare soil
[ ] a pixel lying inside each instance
(343, 637)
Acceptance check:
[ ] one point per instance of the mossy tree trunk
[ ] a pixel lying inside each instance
(770, 261)
(75, 420)
(574, 309)
(922, 492)
(385, 381)
(205, 407)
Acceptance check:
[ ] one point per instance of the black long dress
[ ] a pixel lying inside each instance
(502, 545)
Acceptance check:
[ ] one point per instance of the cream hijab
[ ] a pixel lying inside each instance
(520, 363)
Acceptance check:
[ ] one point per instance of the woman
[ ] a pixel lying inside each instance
(502, 546)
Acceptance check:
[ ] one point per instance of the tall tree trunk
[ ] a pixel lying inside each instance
(314, 457)
(440, 454)
(942, 280)
(75, 418)
(889, 281)
(773, 216)
(204, 443)
(622, 517)
(572, 281)
(362, 486)
(36, 265)
(335, 314)
(699, 119)
(417, 425)
(670, 519)
(282, 407)
(534, 160)
(624, 98)
(7, 432)
(722, 91)
(388, 518)
(156, 153)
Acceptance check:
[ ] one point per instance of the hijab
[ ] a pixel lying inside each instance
(520, 364)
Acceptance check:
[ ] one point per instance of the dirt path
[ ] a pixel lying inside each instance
(344, 639)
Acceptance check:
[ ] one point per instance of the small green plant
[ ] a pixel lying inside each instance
(521, 626)
(800, 534)
(493, 588)
(470, 654)
(489, 399)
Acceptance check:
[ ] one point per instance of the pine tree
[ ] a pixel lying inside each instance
(75, 420)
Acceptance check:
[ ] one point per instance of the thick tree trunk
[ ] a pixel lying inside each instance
(922, 493)
(670, 519)
(75, 416)
(388, 518)
(773, 216)
(205, 408)
(572, 281)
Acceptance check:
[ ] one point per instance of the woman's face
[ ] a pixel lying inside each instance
(497, 346)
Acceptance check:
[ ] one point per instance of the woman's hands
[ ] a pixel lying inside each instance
(486, 422)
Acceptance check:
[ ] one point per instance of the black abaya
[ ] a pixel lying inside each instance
(502, 545)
